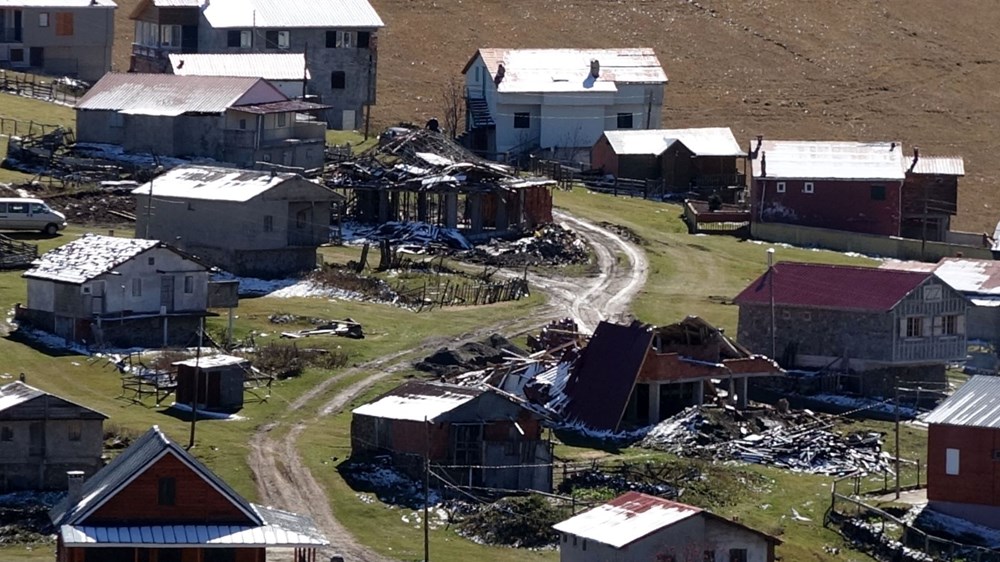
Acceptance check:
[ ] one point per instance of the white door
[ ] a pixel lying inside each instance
(347, 121)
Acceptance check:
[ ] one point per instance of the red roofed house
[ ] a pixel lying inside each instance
(155, 501)
(855, 319)
(638, 527)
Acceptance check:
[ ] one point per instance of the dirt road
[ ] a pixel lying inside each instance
(284, 481)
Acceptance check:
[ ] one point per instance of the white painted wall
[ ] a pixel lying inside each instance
(725, 536)
(118, 288)
(41, 295)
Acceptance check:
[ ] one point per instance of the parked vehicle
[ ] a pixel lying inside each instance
(29, 214)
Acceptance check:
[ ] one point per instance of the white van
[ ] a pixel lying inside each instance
(29, 214)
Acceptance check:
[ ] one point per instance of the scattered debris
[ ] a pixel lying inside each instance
(550, 244)
(519, 522)
(24, 517)
(447, 363)
(413, 236)
(625, 232)
(346, 328)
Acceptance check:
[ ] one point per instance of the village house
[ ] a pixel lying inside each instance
(930, 196)
(249, 223)
(338, 40)
(42, 436)
(637, 375)
(704, 160)
(285, 71)
(637, 527)
(61, 37)
(558, 100)
(476, 436)
(878, 323)
(155, 501)
(243, 121)
(962, 468)
(126, 292)
(216, 382)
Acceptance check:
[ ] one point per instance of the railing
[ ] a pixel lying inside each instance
(153, 52)
(10, 35)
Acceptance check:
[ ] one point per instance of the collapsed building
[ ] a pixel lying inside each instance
(422, 175)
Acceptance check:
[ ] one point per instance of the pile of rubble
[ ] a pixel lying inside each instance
(24, 517)
(448, 363)
(550, 244)
(411, 236)
(799, 441)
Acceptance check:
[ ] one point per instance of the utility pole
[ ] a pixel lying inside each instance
(197, 379)
(427, 486)
(770, 286)
(895, 383)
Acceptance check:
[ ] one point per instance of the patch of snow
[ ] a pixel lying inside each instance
(309, 288)
(203, 414)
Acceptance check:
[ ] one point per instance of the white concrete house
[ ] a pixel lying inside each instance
(521, 100)
(119, 291)
(638, 527)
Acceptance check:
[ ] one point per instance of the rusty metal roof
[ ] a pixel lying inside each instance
(568, 70)
(269, 66)
(837, 287)
(975, 404)
(169, 95)
(938, 165)
(292, 13)
(626, 519)
(831, 160)
(282, 107)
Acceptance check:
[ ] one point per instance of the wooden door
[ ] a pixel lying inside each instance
(36, 439)
(167, 293)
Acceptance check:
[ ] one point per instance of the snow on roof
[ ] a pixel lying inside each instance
(419, 401)
(705, 141)
(292, 13)
(968, 276)
(87, 257)
(568, 70)
(17, 393)
(939, 165)
(975, 404)
(213, 183)
(269, 66)
(626, 519)
(212, 361)
(828, 160)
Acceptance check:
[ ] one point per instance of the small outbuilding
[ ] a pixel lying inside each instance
(216, 380)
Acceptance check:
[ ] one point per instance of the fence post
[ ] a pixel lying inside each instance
(918, 474)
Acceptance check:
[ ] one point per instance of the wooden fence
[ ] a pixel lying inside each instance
(45, 89)
(568, 175)
(17, 128)
(464, 293)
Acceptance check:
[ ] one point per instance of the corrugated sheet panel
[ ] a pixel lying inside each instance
(626, 519)
(17, 393)
(969, 276)
(837, 287)
(188, 535)
(292, 13)
(975, 404)
(269, 66)
(220, 184)
(419, 401)
(828, 160)
(705, 141)
(568, 70)
(939, 165)
(166, 94)
(87, 257)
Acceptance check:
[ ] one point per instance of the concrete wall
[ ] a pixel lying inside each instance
(264, 264)
(165, 263)
(19, 470)
(99, 126)
(86, 53)
(725, 536)
(680, 539)
(198, 136)
(873, 245)
(149, 134)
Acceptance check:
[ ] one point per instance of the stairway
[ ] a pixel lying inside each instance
(480, 113)
(15, 254)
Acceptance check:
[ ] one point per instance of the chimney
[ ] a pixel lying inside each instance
(501, 70)
(74, 480)
(595, 68)
(763, 164)
(916, 157)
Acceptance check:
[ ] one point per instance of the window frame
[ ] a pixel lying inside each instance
(522, 119)
(914, 327)
(136, 287)
(877, 192)
(189, 284)
(626, 120)
(780, 187)
(43, 19)
(74, 430)
(166, 491)
(268, 223)
(952, 462)
(808, 187)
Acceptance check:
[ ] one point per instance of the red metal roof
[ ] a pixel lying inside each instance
(832, 286)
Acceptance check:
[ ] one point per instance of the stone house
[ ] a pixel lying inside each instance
(249, 223)
(62, 37)
(156, 501)
(477, 436)
(43, 436)
(117, 291)
(243, 121)
(338, 39)
(878, 322)
(637, 527)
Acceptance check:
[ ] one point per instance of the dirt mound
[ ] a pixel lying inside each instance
(450, 362)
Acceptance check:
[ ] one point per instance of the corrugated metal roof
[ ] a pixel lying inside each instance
(269, 66)
(968, 276)
(419, 401)
(568, 70)
(177, 3)
(292, 13)
(838, 287)
(17, 393)
(166, 94)
(705, 141)
(56, 4)
(282, 107)
(938, 165)
(87, 257)
(626, 519)
(975, 404)
(221, 184)
(828, 160)
(212, 361)
(190, 535)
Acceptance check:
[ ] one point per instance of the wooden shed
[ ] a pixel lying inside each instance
(218, 380)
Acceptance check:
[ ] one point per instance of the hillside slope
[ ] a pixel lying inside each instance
(918, 71)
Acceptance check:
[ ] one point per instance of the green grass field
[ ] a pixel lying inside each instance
(26, 111)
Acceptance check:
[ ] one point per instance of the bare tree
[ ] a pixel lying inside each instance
(453, 106)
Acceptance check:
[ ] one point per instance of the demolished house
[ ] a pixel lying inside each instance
(475, 436)
(421, 175)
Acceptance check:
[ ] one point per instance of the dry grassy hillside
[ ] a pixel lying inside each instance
(920, 71)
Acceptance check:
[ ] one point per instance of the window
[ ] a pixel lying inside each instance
(43, 19)
(239, 38)
(300, 219)
(17, 55)
(522, 120)
(364, 39)
(166, 491)
(914, 327)
(780, 187)
(151, 260)
(951, 461)
(170, 35)
(6, 433)
(878, 192)
(243, 124)
(808, 187)
(268, 223)
(737, 555)
(282, 119)
(624, 120)
(786, 314)
(75, 430)
(340, 39)
(219, 555)
(276, 39)
(950, 325)
(137, 287)
(17, 208)
(338, 79)
(188, 284)
(117, 120)
(932, 293)
(64, 24)
(807, 316)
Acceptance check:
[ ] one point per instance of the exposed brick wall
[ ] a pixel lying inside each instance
(978, 479)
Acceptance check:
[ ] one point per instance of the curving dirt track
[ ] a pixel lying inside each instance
(285, 482)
